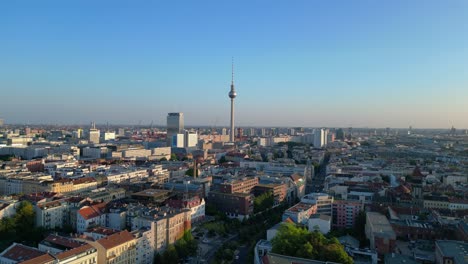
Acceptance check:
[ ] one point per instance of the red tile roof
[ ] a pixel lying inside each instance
(88, 212)
(116, 239)
(44, 259)
(92, 211)
(63, 241)
(19, 252)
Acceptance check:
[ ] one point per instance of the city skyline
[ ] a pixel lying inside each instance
(360, 64)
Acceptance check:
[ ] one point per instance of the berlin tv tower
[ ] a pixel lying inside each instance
(232, 95)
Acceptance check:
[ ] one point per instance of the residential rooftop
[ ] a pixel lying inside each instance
(20, 252)
(457, 250)
(300, 207)
(61, 242)
(116, 239)
(380, 225)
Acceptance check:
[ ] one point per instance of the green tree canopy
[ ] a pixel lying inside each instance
(170, 255)
(190, 172)
(20, 227)
(263, 202)
(295, 241)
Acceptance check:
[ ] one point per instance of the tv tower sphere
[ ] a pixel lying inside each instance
(232, 94)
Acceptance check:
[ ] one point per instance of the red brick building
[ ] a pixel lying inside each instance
(235, 205)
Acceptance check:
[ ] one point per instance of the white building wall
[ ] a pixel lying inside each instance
(178, 141)
(319, 138)
(51, 217)
(94, 135)
(145, 247)
(191, 139)
(10, 210)
(198, 212)
(458, 206)
(116, 220)
(83, 224)
(109, 136)
(451, 180)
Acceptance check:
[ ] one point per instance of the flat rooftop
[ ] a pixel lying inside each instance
(458, 250)
(399, 259)
(152, 193)
(380, 225)
(300, 207)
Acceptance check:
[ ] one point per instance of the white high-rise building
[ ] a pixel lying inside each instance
(191, 139)
(253, 132)
(94, 134)
(109, 136)
(77, 133)
(319, 138)
(178, 141)
(325, 137)
(175, 125)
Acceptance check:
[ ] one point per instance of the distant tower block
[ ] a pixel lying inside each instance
(232, 95)
(94, 134)
(175, 125)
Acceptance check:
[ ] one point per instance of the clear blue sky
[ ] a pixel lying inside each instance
(298, 63)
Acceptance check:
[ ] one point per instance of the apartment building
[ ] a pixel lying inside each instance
(89, 216)
(195, 204)
(322, 200)
(380, 233)
(24, 183)
(300, 212)
(61, 186)
(118, 248)
(145, 245)
(55, 244)
(234, 205)
(436, 202)
(167, 224)
(84, 184)
(117, 176)
(52, 214)
(345, 213)
(279, 191)
(19, 253)
(243, 185)
(79, 255)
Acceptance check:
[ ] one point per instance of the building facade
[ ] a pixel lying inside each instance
(175, 125)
